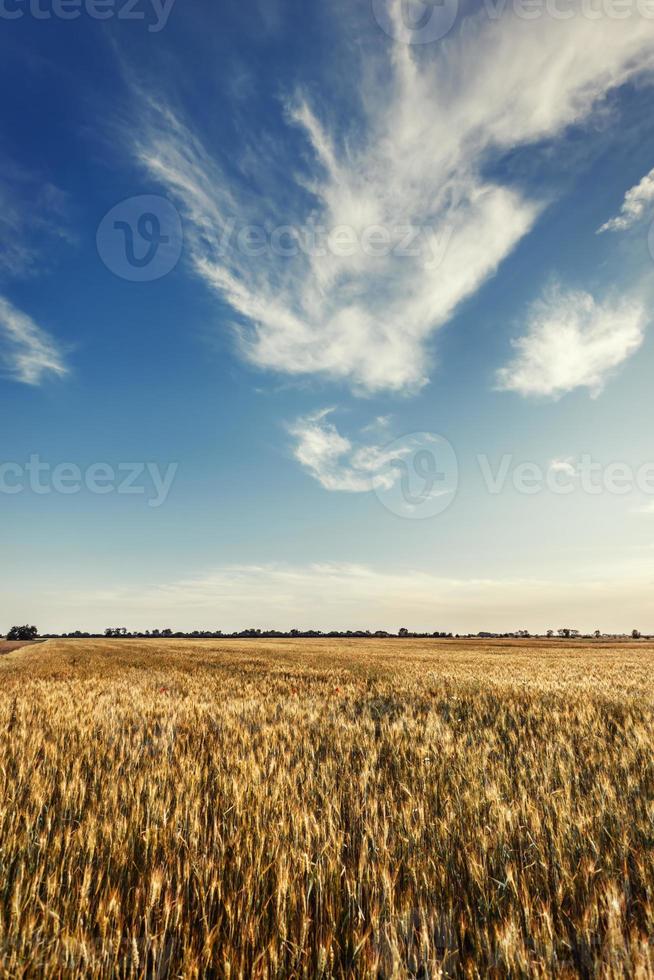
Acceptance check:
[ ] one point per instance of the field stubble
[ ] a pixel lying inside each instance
(326, 809)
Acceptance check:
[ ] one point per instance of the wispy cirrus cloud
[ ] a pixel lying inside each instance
(32, 216)
(573, 341)
(416, 159)
(27, 352)
(638, 203)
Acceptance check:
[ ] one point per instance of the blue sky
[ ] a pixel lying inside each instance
(365, 309)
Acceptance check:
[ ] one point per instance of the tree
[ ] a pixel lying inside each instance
(550, 633)
(403, 631)
(635, 634)
(22, 633)
(567, 633)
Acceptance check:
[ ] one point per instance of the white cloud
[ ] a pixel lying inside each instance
(379, 424)
(26, 351)
(415, 156)
(341, 595)
(334, 462)
(32, 218)
(637, 201)
(566, 466)
(572, 341)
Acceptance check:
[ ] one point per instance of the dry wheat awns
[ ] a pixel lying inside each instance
(364, 809)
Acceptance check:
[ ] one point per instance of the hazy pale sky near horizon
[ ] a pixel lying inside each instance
(331, 315)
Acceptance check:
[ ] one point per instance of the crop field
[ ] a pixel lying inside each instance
(392, 808)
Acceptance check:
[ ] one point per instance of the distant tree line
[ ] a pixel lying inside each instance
(121, 632)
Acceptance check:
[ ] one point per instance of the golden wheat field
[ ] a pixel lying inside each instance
(395, 808)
